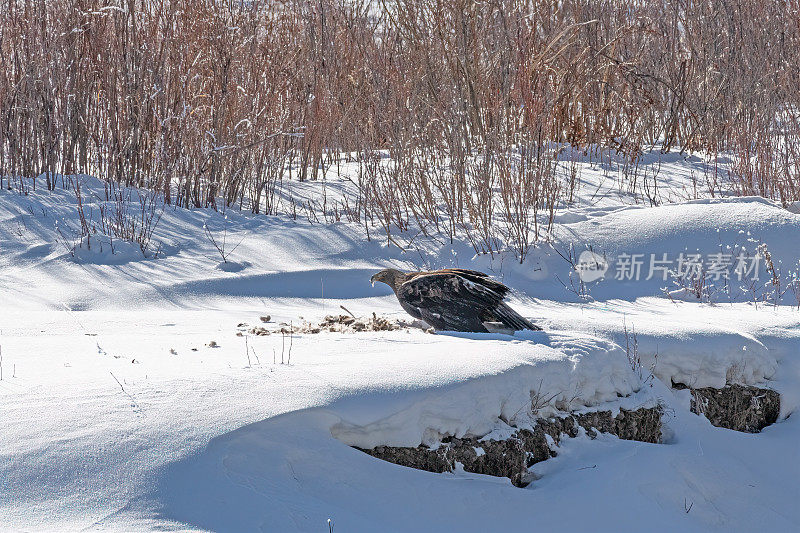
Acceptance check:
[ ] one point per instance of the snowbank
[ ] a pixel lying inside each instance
(557, 372)
(129, 402)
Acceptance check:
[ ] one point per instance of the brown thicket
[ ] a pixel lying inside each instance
(209, 100)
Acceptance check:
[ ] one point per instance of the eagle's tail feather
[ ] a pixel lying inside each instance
(512, 319)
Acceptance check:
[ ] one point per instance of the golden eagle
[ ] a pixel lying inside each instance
(454, 299)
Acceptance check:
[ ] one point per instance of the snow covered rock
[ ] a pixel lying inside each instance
(738, 407)
(512, 456)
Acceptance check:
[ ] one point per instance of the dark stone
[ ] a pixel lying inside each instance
(506, 458)
(512, 457)
(421, 457)
(643, 425)
(738, 407)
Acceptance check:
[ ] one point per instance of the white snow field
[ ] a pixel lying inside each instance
(128, 402)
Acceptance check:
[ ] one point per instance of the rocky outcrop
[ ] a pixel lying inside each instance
(511, 457)
(738, 407)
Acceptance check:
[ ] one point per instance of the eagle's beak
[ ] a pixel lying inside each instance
(372, 280)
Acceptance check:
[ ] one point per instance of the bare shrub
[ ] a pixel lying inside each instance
(221, 101)
(131, 215)
(220, 242)
(634, 358)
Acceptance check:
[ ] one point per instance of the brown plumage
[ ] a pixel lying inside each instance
(454, 299)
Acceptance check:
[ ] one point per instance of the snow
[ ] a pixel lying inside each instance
(129, 402)
(584, 373)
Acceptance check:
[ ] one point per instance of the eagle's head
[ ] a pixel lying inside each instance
(389, 276)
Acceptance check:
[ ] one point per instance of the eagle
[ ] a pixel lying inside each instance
(455, 299)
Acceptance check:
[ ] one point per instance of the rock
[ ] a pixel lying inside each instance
(513, 456)
(422, 457)
(738, 407)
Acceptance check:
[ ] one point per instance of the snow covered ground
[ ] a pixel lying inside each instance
(129, 402)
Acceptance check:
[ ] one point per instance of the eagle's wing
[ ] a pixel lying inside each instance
(481, 279)
(453, 300)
